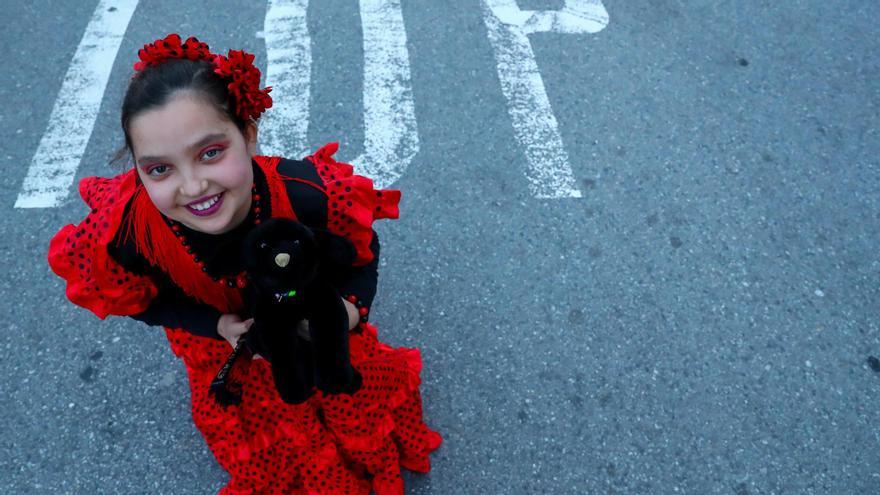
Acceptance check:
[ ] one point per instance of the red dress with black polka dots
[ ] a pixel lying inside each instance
(330, 444)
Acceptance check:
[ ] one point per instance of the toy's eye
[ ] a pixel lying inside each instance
(263, 245)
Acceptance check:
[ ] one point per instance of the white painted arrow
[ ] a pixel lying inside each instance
(534, 124)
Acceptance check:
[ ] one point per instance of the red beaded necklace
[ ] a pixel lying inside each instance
(239, 280)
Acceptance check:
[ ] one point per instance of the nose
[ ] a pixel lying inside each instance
(192, 186)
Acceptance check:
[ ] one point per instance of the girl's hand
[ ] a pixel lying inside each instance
(353, 316)
(231, 328)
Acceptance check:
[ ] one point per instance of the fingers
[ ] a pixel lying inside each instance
(242, 328)
(231, 327)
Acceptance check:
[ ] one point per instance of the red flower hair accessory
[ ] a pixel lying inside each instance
(244, 88)
(153, 54)
(250, 100)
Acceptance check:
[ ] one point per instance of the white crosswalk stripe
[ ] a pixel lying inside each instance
(61, 148)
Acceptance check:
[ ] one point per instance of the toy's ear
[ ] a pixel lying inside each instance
(334, 248)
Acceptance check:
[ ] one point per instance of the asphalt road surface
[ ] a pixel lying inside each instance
(639, 252)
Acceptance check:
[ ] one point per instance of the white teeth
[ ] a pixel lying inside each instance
(207, 204)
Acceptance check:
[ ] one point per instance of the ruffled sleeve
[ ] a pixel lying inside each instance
(79, 255)
(352, 201)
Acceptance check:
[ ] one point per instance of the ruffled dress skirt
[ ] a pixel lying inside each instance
(330, 444)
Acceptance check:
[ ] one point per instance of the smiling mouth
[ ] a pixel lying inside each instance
(206, 207)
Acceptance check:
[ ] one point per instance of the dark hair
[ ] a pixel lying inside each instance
(153, 87)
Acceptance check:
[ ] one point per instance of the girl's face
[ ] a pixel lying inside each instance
(194, 164)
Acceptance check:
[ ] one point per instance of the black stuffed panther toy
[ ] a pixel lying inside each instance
(289, 266)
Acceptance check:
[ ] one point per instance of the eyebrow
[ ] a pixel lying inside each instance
(201, 142)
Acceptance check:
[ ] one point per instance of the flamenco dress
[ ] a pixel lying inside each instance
(329, 444)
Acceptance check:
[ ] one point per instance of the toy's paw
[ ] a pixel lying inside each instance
(355, 384)
(341, 384)
(293, 387)
(294, 393)
(297, 397)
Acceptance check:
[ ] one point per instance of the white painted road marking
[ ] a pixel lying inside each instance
(289, 53)
(390, 130)
(61, 148)
(391, 133)
(534, 124)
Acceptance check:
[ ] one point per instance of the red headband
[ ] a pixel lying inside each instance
(238, 67)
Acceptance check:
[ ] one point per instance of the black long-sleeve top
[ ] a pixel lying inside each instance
(221, 255)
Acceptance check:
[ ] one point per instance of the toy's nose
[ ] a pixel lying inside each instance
(282, 259)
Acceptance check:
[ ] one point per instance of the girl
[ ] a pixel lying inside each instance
(161, 244)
